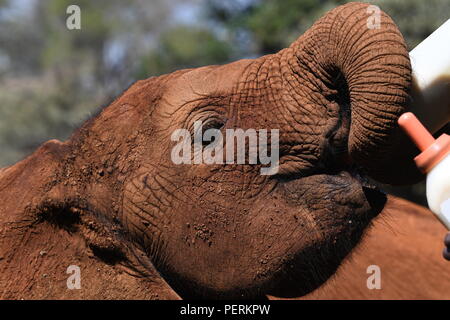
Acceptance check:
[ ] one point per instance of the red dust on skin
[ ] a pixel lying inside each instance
(111, 201)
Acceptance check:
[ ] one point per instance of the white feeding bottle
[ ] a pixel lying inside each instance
(430, 62)
(434, 161)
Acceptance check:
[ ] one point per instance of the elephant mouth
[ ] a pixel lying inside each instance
(348, 204)
(376, 199)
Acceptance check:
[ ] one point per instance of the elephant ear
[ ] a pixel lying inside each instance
(374, 69)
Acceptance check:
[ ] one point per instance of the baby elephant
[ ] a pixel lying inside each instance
(111, 207)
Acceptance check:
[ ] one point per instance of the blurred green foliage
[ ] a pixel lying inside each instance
(184, 47)
(52, 78)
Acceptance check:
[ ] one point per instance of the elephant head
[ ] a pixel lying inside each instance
(225, 230)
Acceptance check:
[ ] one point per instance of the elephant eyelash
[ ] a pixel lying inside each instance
(204, 111)
(210, 122)
(213, 123)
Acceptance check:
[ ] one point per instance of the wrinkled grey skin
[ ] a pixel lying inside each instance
(226, 231)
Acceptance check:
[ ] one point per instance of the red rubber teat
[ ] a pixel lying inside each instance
(433, 150)
(416, 131)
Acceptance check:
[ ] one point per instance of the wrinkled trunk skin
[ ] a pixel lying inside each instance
(368, 71)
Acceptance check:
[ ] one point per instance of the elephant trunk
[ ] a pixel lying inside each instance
(363, 56)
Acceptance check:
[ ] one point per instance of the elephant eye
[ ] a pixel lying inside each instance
(210, 123)
(213, 123)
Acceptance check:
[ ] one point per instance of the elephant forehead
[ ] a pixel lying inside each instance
(204, 82)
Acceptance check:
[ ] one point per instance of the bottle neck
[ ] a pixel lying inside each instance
(432, 103)
(435, 153)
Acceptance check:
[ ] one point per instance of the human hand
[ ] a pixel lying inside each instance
(446, 251)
